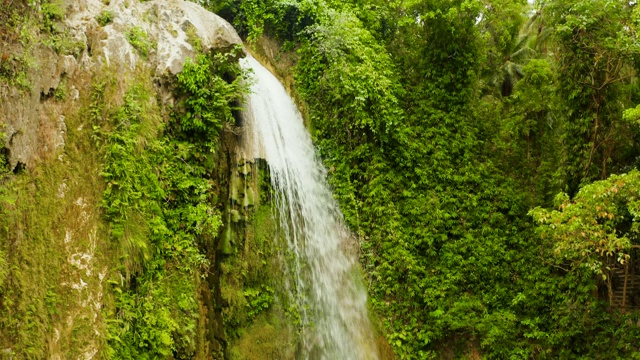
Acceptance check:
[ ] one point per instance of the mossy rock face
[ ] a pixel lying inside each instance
(249, 198)
(236, 189)
(269, 337)
(244, 168)
(236, 216)
(228, 238)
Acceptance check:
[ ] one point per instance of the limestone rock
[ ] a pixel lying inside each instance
(21, 113)
(31, 123)
(171, 28)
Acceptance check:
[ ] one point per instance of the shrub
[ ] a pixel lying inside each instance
(139, 39)
(105, 17)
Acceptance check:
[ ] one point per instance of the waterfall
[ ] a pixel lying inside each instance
(323, 280)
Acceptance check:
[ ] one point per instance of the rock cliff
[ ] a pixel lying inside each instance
(121, 35)
(74, 76)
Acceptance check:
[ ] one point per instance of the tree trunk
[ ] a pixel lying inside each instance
(609, 289)
(624, 287)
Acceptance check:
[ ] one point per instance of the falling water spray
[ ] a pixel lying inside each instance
(323, 285)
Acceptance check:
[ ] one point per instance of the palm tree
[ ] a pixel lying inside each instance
(540, 33)
(514, 58)
(510, 30)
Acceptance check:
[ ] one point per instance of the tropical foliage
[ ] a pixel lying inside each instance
(442, 124)
(484, 154)
(161, 205)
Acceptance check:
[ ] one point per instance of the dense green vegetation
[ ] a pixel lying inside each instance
(107, 244)
(443, 123)
(162, 206)
(484, 153)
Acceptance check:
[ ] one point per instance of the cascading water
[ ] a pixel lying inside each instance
(331, 303)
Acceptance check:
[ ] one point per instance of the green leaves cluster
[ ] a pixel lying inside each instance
(105, 17)
(52, 12)
(361, 78)
(138, 38)
(206, 106)
(600, 221)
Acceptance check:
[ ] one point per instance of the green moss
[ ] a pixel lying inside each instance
(3, 268)
(139, 39)
(17, 60)
(226, 243)
(52, 12)
(249, 198)
(268, 337)
(244, 168)
(257, 317)
(46, 216)
(105, 17)
(193, 38)
(236, 216)
(61, 91)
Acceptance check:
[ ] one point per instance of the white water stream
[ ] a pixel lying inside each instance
(322, 277)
